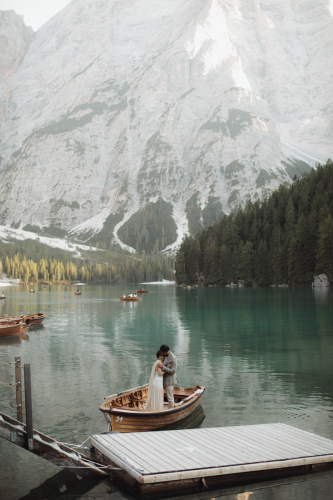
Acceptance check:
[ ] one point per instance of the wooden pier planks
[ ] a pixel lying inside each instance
(164, 456)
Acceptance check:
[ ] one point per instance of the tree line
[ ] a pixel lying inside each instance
(284, 239)
(122, 269)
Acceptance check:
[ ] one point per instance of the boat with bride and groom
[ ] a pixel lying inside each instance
(125, 411)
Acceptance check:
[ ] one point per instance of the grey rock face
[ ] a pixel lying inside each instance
(203, 104)
(321, 281)
(15, 37)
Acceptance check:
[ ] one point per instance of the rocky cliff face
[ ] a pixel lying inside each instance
(143, 120)
(14, 38)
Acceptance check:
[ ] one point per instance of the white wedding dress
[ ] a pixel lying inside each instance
(155, 397)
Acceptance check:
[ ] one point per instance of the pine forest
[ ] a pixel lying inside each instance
(285, 239)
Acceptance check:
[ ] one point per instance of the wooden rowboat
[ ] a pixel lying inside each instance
(77, 293)
(27, 319)
(10, 329)
(34, 319)
(129, 298)
(142, 291)
(2, 297)
(125, 412)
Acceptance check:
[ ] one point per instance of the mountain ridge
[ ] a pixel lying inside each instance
(198, 106)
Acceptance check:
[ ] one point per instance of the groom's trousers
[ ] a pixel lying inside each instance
(169, 395)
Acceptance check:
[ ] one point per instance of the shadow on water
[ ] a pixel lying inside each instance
(62, 485)
(190, 422)
(317, 486)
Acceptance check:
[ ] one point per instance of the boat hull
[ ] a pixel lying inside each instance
(3, 298)
(13, 330)
(140, 420)
(34, 319)
(77, 293)
(129, 299)
(142, 291)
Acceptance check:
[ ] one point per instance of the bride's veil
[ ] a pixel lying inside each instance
(150, 388)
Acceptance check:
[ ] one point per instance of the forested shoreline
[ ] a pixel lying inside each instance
(33, 262)
(285, 239)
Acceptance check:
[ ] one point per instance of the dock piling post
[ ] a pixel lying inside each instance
(28, 407)
(18, 384)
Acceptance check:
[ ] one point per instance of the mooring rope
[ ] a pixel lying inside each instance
(80, 467)
(8, 406)
(98, 466)
(3, 363)
(12, 386)
(75, 445)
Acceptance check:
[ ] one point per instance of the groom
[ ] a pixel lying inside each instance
(169, 369)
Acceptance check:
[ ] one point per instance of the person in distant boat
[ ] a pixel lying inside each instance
(169, 377)
(77, 290)
(155, 396)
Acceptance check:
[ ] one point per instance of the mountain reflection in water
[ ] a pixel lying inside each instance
(264, 355)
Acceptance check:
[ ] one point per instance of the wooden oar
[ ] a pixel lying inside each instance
(128, 390)
(198, 391)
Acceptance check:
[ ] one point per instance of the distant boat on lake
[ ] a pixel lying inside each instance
(129, 297)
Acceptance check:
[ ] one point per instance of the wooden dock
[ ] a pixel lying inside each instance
(185, 460)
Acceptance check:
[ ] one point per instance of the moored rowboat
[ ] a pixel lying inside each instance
(126, 411)
(34, 319)
(10, 329)
(142, 291)
(28, 319)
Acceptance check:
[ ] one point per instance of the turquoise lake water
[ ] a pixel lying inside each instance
(264, 354)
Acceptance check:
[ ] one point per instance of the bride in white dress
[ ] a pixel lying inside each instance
(155, 397)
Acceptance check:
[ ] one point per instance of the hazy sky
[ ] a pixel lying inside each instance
(35, 12)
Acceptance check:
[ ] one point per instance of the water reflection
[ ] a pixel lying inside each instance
(322, 295)
(17, 339)
(266, 352)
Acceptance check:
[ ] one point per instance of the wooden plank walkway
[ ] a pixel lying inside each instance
(152, 458)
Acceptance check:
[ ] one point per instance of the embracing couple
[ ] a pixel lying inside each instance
(163, 376)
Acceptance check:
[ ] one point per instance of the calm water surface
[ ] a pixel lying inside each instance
(265, 355)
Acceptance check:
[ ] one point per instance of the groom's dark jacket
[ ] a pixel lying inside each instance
(169, 377)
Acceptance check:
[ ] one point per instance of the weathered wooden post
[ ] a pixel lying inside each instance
(18, 384)
(28, 407)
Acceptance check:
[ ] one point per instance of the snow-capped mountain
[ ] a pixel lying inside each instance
(138, 120)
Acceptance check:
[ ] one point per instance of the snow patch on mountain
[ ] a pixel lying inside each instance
(92, 225)
(7, 234)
